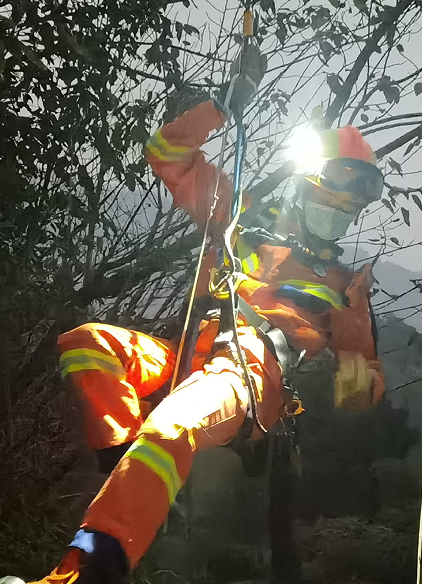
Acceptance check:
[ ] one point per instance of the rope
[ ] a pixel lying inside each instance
(235, 211)
(199, 264)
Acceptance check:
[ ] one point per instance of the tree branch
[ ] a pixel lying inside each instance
(406, 384)
(146, 264)
(388, 120)
(399, 142)
(370, 46)
(388, 127)
(269, 184)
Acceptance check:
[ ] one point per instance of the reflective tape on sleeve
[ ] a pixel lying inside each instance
(163, 150)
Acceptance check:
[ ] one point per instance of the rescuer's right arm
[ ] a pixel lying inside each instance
(352, 339)
(175, 156)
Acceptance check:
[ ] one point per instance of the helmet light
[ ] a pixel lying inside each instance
(306, 149)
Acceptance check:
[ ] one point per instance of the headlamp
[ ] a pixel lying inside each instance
(306, 150)
(317, 158)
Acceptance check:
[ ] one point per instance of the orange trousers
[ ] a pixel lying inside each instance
(205, 410)
(112, 369)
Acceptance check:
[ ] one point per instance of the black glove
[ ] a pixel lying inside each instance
(246, 74)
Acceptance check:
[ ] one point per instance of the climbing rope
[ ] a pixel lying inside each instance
(231, 264)
(419, 554)
(192, 296)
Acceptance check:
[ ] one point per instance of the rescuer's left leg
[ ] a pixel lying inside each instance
(204, 411)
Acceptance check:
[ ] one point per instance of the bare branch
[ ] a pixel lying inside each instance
(371, 46)
(399, 142)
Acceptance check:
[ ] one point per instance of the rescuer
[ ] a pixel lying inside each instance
(290, 276)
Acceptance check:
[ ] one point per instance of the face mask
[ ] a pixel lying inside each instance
(326, 222)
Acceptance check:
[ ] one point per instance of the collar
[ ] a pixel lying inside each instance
(318, 259)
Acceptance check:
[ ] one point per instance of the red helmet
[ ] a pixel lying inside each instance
(349, 165)
(346, 142)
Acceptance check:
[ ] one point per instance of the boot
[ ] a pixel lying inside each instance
(93, 558)
(66, 572)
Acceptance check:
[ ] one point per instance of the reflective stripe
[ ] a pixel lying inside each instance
(163, 150)
(331, 144)
(89, 359)
(249, 259)
(165, 144)
(319, 290)
(250, 264)
(160, 462)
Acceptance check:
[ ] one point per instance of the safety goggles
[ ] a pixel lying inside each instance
(362, 180)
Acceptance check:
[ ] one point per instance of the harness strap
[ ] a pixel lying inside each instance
(274, 339)
(227, 335)
(288, 359)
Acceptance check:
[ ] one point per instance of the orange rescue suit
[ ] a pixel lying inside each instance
(114, 368)
(191, 180)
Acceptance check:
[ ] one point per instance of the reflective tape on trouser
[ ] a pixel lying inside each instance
(163, 150)
(90, 359)
(320, 291)
(160, 462)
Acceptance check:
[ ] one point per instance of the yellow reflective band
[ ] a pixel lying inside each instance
(248, 258)
(90, 359)
(319, 290)
(160, 462)
(165, 144)
(250, 264)
(155, 151)
(154, 148)
(163, 150)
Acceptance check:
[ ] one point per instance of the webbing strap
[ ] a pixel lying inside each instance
(274, 338)
(227, 335)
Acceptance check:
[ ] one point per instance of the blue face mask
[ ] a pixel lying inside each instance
(326, 222)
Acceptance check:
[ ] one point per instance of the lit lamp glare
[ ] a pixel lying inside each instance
(306, 150)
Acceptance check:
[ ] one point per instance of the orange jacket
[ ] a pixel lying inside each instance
(174, 154)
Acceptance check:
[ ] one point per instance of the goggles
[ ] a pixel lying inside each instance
(361, 179)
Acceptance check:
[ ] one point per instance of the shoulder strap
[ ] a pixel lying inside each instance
(274, 339)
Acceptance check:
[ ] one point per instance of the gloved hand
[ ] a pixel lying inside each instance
(182, 99)
(354, 383)
(246, 74)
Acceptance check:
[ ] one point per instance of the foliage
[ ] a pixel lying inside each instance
(86, 230)
(84, 224)
(74, 119)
